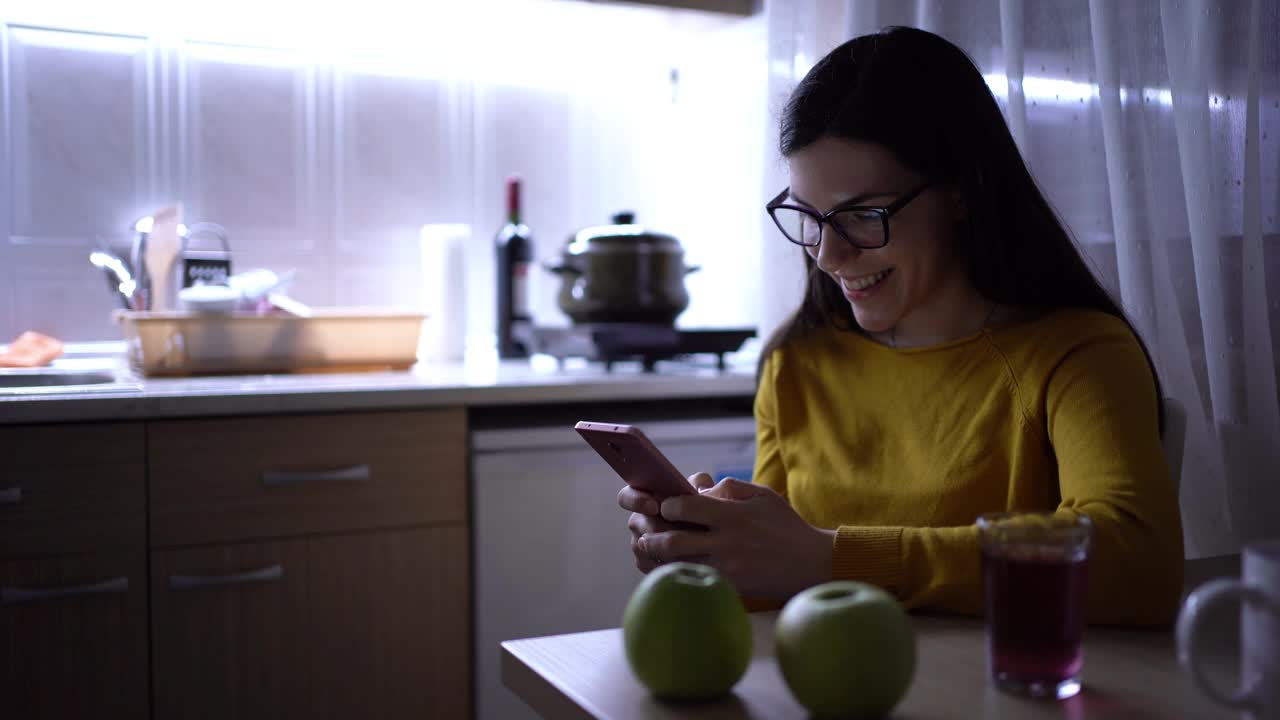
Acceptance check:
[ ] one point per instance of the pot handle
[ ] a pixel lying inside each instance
(692, 269)
(562, 269)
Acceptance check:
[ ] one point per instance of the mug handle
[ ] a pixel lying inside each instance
(1198, 602)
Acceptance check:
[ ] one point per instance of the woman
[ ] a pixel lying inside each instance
(953, 355)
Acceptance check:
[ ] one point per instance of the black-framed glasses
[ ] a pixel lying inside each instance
(862, 226)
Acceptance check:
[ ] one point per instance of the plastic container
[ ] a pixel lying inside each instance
(188, 343)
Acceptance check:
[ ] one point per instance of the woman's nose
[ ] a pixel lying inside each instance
(832, 251)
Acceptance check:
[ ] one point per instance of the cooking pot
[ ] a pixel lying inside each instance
(622, 273)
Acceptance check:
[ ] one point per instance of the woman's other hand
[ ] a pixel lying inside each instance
(645, 518)
(752, 536)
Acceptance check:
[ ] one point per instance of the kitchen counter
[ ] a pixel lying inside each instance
(474, 384)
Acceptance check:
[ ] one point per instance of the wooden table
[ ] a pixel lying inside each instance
(1128, 674)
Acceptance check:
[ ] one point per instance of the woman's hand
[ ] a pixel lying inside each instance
(646, 520)
(751, 535)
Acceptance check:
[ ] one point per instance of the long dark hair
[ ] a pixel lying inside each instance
(923, 99)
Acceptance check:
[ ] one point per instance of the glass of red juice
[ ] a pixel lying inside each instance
(1034, 571)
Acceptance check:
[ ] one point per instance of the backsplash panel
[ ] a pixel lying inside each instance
(78, 133)
(392, 168)
(48, 285)
(250, 153)
(8, 298)
(329, 161)
(78, 124)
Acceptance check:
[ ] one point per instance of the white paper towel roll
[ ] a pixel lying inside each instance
(444, 292)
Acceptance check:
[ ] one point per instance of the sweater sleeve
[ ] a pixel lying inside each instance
(1102, 414)
(1100, 409)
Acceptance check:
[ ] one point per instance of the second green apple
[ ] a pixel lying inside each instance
(846, 650)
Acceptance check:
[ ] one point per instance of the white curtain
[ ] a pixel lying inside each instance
(1154, 128)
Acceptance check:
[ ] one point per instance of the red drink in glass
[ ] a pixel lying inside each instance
(1034, 579)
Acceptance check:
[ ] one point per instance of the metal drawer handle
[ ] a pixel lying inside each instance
(11, 496)
(196, 582)
(15, 595)
(355, 473)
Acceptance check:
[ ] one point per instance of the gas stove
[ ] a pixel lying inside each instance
(614, 342)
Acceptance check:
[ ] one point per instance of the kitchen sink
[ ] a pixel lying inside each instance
(49, 381)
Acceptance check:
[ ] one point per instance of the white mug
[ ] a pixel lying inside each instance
(1258, 590)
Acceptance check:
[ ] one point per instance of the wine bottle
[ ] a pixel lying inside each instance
(515, 255)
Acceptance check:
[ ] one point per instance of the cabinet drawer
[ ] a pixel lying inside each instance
(24, 446)
(68, 488)
(239, 478)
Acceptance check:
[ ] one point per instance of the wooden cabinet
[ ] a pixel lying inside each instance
(300, 566)
(75, 630)
(392, 631)
(73, 572)
(311, 566)
(730, 7)
(229, 631)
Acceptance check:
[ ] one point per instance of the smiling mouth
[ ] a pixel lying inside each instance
(865, 282)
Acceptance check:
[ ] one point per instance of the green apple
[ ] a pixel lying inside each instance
(686, 633)
(846, 649)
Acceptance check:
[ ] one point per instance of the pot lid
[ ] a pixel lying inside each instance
(624, 233)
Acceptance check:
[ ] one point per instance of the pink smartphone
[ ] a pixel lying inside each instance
(635, 458)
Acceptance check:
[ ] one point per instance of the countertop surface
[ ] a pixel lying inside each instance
(540, 380)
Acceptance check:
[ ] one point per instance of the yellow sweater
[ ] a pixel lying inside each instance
(899, 451)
